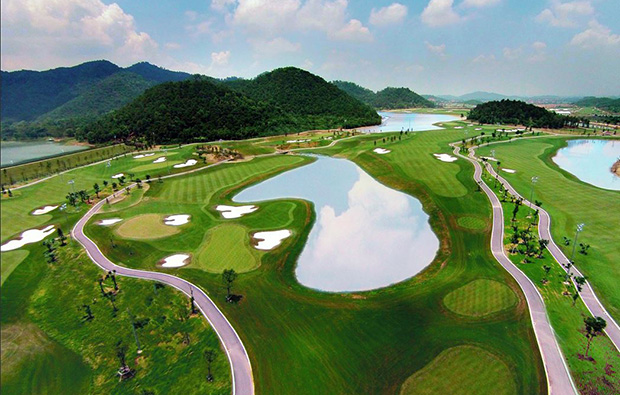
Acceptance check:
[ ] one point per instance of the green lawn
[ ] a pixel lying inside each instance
(462, 370)
(474, 223)
(480, 298)
(227, 247)
(9, 262)
(146, 226)
(569, 202)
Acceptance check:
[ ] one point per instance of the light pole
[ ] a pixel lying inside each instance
(72, 183)
(135, 335)
(579, 229)
(534, 181)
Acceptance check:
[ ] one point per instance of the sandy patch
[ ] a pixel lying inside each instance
(28, 237)
(109, 221)
(381, 151)
(270, 240)
(190, 162)
(458, 127)
(445, 157)
(119, 175)
(143, 155)
(44, 210)
(160, 160)
(176, 260)
(478, 129)
(177, 220)
(509, 170)
(235, 211)
(297, 141)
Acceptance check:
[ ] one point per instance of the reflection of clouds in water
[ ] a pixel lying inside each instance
(382, 237)
(612, 149)
(591, 161)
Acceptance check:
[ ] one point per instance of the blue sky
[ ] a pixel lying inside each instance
(521, 47)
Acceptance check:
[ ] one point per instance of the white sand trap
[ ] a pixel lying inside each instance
(143, 155)
(176, 260)
(190, 162)
(445, 157)
(160, 160)
(119, 175)
(458, 127)
(176, 220)
(381, 151)
(235, 211)
(272, 239)
(490, 158)
(44, 210)
(478, 129)
(509, 170)
(109, 221)
(28, 237)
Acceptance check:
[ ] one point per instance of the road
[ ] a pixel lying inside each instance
(241, 368)
(559, 381)
(587, 294)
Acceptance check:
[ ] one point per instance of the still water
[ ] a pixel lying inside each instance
(397, 121)
(366, 235)
(16, 152)
(591, 161)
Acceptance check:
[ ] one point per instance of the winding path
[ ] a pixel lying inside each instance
(242, 382)
(559, 380)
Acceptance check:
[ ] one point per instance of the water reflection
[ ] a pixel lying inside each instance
(396, 121)
(366, 236)
(591, 161)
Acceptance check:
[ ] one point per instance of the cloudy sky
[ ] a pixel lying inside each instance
(524, 47)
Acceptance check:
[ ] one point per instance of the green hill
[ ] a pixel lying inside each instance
(388, 98)
(362, 94)
(517, 113)
(603, 103)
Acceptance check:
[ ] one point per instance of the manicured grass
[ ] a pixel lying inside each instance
(470, 222)
(480, 298)
(227, 247)
(368, 342)
(462, 370)
(569, 202)
(146, 226)
(10, 260)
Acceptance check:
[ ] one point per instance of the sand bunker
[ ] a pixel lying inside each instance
(44, 210)
(160, 160)
(176, 260)
(445, 157)
(381, 151)
(298, 141)
(190, 162)
(109, 221)
(176, 220)
(235, 211)
(272, 239)
(143, 155)
(119, 175)
(28, 237)
(478, 129)
(458, 127)
(509, 170)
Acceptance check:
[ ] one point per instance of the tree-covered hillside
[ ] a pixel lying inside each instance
(603, 103)
(388, 98)
(517, 113)
(362, 94)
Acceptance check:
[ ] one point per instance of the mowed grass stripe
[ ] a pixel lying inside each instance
(480, 298)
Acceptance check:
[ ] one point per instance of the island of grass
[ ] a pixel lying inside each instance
(480, 298)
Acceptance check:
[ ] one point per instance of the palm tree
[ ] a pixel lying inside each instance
(97, 189)
(105, 183)
(594, 327)
(210, 357)
(62, 237)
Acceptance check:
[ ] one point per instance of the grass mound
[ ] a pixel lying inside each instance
(146, 226)
(227, 247)
(474, 223)
(462, 370)
(480, 298)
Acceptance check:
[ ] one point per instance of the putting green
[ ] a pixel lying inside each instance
(480, 298)
(474, 223)
(146, 226)
(227, 247)
(462, 370)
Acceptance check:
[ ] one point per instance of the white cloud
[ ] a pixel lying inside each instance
(390, 15)
(265, 16)
(539, 54)
(440, 13)
(172, 46)
(219, 59)
(480, 3)
(222, 5)
(40, 33)
(596, 35)
(439, 50)
(539, 46)
(275, 46)
(484, 59)
(512, 53)
(565, 14)
(325, 16)
(353, 31)
(199, 29)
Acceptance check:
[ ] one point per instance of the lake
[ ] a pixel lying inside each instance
(591, 161)
(16, 152)
(397, 121)
(366, 235)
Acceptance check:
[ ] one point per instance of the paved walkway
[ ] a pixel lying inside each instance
(559, 380)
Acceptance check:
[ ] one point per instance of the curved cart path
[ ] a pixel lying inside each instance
(237, 355)
(559, 380)
(587, 294)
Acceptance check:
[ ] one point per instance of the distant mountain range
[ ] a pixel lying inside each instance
(483, 97)
(389, 98)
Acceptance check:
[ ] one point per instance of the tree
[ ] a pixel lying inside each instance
(114, 186)
(580, 281)
(594, 326)
(112, 275)
(139, 183)
(88, 313)
(72, 199)
(97, 189)
(210, 357)
(100, 281)
(112, 298)
(542, 244)
(229, 276)
(9, 193)
(105, 183)
(148, 178)
(121, 352)
(62, 237)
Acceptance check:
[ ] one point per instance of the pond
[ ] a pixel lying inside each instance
(16, 152)
(397, 121)
(366, 235)
(591, 161)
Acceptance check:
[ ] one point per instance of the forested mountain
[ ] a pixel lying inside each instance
(517, 113)
(285, 100)
(153, 73)
(388, 98)
(603, 103)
